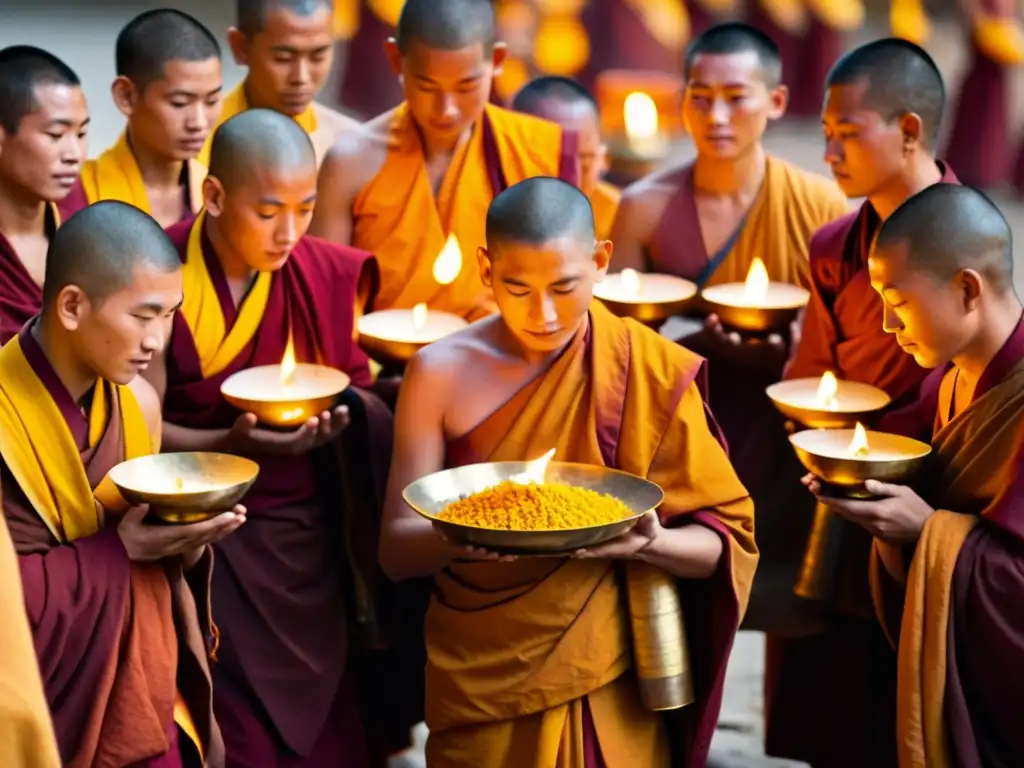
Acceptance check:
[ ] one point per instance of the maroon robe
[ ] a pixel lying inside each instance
(280, 589)
(20, 297)
(79, 599)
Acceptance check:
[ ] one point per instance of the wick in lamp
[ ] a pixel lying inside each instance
(649, 298)
(757, 305)
(827, 403)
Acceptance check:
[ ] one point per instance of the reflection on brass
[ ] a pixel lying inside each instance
(377, 332)
(796, 399)
(313, 389)
(646, 311)
(430, 494)
(659, 637)
(389, 351)
(776, 319)
(626, 164)
(835, 565)
(185, 487)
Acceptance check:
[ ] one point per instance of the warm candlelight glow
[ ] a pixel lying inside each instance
(448, 263)
(755, 289)
(630, 282)
(859, 444)
(640, 115)
(180, 483)
(535, 470)
(288, 363)
(827, 390)
(419, 317)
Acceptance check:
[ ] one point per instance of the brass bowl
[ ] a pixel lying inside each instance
(797, 399)
(629, 161)
(826, 453)
(661, 297)
(782, 307)
(378, 339)
(211, 483)
(313, 389)
(429, 495)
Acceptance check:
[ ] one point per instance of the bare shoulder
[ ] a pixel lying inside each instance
(644, 201)
(358, 152)
(443, 364)
(149, 403)
(336, 122)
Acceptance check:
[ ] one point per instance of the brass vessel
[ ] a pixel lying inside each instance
(726, 301)
(645, 311)
(380, 344)
(311, 390)
(854, 401)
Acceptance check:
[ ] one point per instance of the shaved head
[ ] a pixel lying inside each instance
(534, 97)
(446, 25)
(152, 39)
(252, 15)
(947, 228)
(23, 68)
(98, 248)
(734, 37)
(537, 211)
(259, 139)
(900, 78)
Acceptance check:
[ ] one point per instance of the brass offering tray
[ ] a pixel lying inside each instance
(311, 390)
(797, 399)
(185, 487)
(430, 494)
(774, 315)
(379, 342)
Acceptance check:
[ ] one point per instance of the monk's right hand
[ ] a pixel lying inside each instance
(247, 437)
(146, 543)
(473, 553)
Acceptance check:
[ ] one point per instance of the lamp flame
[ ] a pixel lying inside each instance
(288, 363)
(535, 470)
(827, 390)
(755, 289)
(859, 445)
(630, 282)
(419, 317)
(640, 115)
(448, 263)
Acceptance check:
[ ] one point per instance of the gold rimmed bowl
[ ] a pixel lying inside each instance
(431, 494)
(393, 336)
(310, 390)
(647, 297)
(853, 401)
(771, 313)
(185, 487)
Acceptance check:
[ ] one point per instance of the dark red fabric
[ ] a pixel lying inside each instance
(74, 202)
(20, 297)
(369, 87)
(979, 144)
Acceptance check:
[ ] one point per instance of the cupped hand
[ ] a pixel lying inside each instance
(146, 543)
(248, 437)
(630, 544)
(896, 515)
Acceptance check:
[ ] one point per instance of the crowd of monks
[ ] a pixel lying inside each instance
(315, 623)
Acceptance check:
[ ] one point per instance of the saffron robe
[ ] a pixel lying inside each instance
(955, 610)
(29, 741)
(397, 218)
(519, 652)
(115, 175)
(605, 201)
(20, 296)
(791, 205)
(121, 644)
(280, 587)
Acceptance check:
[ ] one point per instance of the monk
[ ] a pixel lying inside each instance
(255, 286)
(288, 48)
(564, 101)
(43, 122)
(554, 370)
(427, 169)
(119, 608)
(168, 86)
(947, 560)
(829, 694)
(28, 740)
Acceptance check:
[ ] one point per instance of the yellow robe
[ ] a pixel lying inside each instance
(605, 201)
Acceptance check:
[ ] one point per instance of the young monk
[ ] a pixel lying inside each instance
(947, 562)
(43, 120)
(168, 86)
(564, 101)
(288, 48)
(428, 168)
(883, 105)
(554, 370)
(285, 694)
(119, 608)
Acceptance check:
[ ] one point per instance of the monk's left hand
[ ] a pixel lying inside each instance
(898, 515)
(628, 545)
(769, 352)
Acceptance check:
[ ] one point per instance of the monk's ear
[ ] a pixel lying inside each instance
(72, 306)
(498, 55)
(126, 95)
(778, 101)
(239, 45)
(602, 255)
(394, 56)
(213, 195)
(971, 283)
(483, 258)
(912, 128)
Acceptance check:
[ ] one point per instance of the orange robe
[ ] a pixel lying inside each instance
(525, 657)
(397, 218)
(605, 200)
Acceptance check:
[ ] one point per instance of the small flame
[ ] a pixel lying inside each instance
(630, 282)
(535, 470)
(179, 483)
(640, 115)
(755, 289)
(448, 263)
(827, 390)
(859, 445)
(288, 363)
(419, 317)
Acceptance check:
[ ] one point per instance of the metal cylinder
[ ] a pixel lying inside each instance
(660, 647)
(835, 565)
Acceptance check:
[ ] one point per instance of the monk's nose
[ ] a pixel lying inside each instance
(448, 108)
(286, 233)
(890, 323)
(300, 72)
(720, 112)
(196, 119)
(833, 151)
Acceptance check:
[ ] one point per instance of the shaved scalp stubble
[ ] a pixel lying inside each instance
(901, 78)
(947, 228)
(537, 211)
(537, 94)
(251, 15)
(259, 139)
(734, 37)
(99, 247)
(23, 68)
(446, 25)
(154, 38)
